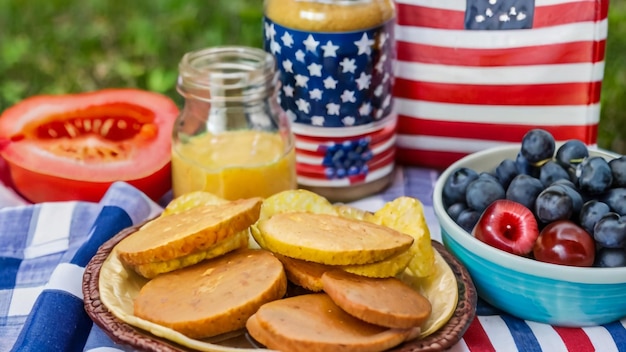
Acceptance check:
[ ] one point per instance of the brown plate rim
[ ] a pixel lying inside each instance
(126, 334)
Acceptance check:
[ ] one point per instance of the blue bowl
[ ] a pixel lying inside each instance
(532, 290)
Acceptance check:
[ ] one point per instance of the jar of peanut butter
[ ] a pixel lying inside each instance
(335, 62)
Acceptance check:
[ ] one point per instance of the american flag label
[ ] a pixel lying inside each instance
(333, 79)
(479, 73)
(332, 161)
(336, 88)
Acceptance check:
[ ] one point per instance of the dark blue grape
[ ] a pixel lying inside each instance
(467, 219)
(524, 189)
(506, 171)
(611, 258)
(610, 231)
(456, 185)
(482, 192)
(551, 172)
(565, 182)
(571, 153)
(594, 175)
(524, 166)
(553, 203)
(572, 192)
(538, 145)
(488, 176)
(592, 211)
(618, 169)
(455, 209)
(616, 199)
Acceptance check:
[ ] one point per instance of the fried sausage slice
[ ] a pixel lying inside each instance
(215, 296)
(313, 322)
(303, 273)
(382, 301)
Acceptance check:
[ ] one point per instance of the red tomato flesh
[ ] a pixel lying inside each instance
(72, 147)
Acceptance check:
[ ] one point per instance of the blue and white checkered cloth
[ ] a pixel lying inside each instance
(44, 249)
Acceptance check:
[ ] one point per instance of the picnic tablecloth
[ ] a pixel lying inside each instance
(45, 247)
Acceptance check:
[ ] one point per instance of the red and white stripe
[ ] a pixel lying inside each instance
(458, 91)
(490, 333)
(311, 144)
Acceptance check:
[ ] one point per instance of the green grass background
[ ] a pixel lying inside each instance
(63, 46)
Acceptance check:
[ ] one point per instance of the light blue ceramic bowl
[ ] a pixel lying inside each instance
(529, 289)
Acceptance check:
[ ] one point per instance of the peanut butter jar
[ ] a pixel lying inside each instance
(335, 62)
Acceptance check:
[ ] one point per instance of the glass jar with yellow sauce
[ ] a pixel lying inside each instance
(335, 61)
(232, 138)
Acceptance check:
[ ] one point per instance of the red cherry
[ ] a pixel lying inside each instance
(509, 226)
(563, 242)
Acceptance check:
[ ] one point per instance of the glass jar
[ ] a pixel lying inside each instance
(335, 60)
(231, 138)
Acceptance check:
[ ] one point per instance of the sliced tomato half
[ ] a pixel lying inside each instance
(72, 147)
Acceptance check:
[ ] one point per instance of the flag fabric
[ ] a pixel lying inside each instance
(478, 73)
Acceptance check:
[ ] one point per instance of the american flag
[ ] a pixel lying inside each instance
(327, 159)
(478, 73)
(336, 88)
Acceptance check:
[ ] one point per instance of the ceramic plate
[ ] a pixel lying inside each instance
(109, 290)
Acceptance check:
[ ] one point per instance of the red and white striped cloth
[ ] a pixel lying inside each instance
(491, 333)
(461, 90)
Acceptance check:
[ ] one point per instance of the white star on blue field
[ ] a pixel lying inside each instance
(333, 79)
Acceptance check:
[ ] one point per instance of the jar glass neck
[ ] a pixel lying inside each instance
(227, 74)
